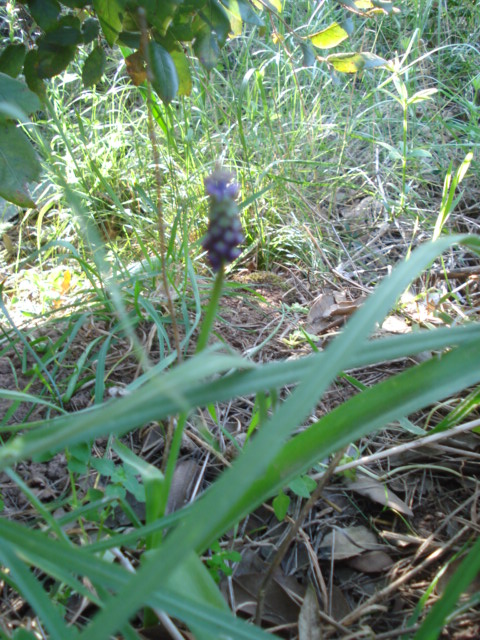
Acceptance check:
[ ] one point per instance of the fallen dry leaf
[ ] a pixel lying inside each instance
(330, 308)
(378, 492)
(371, 562)
(347, 543)
(309, 623)
(184, 478)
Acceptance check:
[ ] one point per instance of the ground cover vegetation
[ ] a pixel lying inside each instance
(239, 349)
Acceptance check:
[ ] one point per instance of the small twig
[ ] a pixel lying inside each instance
(282, 550)
(391, 588)
(407, 446)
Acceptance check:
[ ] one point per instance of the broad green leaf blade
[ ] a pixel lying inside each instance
(151, 402)
(206, 47)
(52, 59)
(182, 66)
(116, 417)
(354, 62)
(110, 15)
(90, 30)
(161, 13)
(94, 67)
(41, 550)
(12, 59)
(458, 584)
(242, 10)
(191, 578)
(164, 76)
(32, 590)
(17, 94)
(226, 502)
(330, 37)
(45, 12)
(18, 166)
(34, 83)
(216, 17)
(66, 33)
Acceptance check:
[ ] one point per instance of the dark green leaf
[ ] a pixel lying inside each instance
(30, 71)
(65, 33)
(160, 13)
(348, 25)
(94, 67)
(23, 634)
(18, 166)
(130, 39)
(242, 10)
(53, 59)
(16, 93)
(217, 19)
(76, 4)
(110, 14)
(181, 29)
(12, 59)
(44, 12)
(206, 47)
(90, 30)
(163, 71)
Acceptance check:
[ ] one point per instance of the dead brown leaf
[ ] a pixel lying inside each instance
(330, 307)
(378, 492)
(309, 623)
(347, 543)
(371, 562)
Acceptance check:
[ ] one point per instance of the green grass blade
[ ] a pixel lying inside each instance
(32, 591)
(120, 415)
(40, 550)
(465, 574)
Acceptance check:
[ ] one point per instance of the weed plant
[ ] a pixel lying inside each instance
(304, 143)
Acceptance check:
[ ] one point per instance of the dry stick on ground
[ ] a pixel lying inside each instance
(282, 550)
(369, 604)
(407, 446)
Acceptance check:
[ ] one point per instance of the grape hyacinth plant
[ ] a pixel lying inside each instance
(223, 236)
(224, 232)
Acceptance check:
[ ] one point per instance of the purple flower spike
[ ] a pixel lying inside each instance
(221, 185)
(224, 232)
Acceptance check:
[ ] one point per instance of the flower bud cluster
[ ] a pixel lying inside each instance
(224, 232)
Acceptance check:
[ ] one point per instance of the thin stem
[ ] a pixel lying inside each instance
(158, 185)
(211, 311)
(287, 541)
